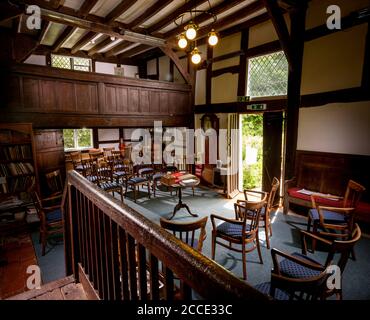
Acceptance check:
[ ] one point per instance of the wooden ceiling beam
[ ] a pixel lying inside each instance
(66, 34)
(148, 13)
(172, 16)
(56, 4)
(134, 51)
(86, 7)
(83, 41)
(218, 9)
(231, 18)
(101, 45)
(117, 49)
(167, 50)
(44, 29)
(281, 28)
(119, 10)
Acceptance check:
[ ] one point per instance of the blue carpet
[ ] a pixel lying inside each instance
(286, 237)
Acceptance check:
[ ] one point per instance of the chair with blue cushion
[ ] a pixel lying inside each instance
(335, 222)
(300, 268)
(266, 211)
(192, 233)
(51, 220)
(142, 176)
(239, 232)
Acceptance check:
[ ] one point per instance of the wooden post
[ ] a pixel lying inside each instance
(297, 18)
(209, 75)
(242, 79)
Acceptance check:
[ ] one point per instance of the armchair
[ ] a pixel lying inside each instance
(243, 230)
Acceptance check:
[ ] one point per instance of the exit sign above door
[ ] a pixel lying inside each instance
(257, 106)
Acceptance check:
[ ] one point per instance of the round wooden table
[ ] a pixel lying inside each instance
(179, 186)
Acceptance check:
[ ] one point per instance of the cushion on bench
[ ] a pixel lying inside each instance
(293, 192)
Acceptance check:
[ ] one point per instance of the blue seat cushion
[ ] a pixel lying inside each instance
(79, 167)
(92, 179)
(232, 229)
(265, 288)
(135, 180)
(120, 173)
(54, 216)
(261, 214)
(109, 186)
(158, 175)
(329, 216)
(292, 269)
(145, 171)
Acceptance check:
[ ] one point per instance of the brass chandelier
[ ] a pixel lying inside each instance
(191, 30)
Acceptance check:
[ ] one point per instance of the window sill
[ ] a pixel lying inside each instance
(78, 149)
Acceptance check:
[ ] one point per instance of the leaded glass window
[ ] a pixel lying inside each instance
(268, 75)
(72, 63)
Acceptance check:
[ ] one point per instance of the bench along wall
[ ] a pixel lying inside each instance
(57, 98)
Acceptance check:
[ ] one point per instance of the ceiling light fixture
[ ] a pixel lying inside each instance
(191, 29)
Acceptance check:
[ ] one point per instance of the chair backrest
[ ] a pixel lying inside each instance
(76, 157)
(54, 181)
(171, 169)
(186, 231)
(103, 171)
(343, 248)
(353, 194)
(96, 155)
(311, 288)
(38, 206)
(249, 212)
(108, 151)
(271, 197)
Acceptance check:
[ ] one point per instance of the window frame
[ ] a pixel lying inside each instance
(266, 97)
(75, 140)
(72, 62)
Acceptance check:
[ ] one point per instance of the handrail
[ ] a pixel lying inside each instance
(194, 270)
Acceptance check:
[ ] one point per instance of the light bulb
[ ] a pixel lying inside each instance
(182, 42)
(195, 56)
(113, 38)
(191, 31)
(212, 38)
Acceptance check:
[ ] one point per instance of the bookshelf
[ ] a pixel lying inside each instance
(18, 170)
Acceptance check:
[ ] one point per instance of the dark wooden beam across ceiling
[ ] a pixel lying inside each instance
(148, 13)
(117, 49)
(119, 10)
(66, 34)
(101, 45)
(83, 41)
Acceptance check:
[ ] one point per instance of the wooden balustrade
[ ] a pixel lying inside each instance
(121, 255)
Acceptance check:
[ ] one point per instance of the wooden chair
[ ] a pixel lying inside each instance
(76, 158)
(243, 230)
(337, 222)
(141, 176)
(54, 182)
(298, 267)
(51, 219)
(156, 178)
(266, 211)
(105, 180)
(186, 231)
(108, 152)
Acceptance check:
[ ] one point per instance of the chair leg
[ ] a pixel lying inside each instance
(121, 193)
(270, 229)
(267, 235)
(154, 186)
(149, 190)
(244, 262)
(259, 248)
(135, 193)
(43, 241)
(193, 191)
(314, 230)
(213, 247)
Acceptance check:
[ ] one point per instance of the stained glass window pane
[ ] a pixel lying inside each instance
(268, 75)
(60, 62)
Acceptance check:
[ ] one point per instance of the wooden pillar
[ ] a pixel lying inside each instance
(209, 75)
(297, 18)
(242, 79)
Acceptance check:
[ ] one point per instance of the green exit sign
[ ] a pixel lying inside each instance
(257, 106)
(243, 98)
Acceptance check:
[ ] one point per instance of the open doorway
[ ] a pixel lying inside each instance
(251, 165)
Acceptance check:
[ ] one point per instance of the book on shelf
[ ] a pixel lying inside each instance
(18, 152)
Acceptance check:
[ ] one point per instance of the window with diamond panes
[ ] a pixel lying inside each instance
(72, 63)
(268, 75)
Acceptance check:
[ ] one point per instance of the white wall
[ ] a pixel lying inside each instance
(337, 128)
(108, 68)
(36, 59)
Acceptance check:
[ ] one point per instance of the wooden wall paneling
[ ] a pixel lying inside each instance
(48, 96)
(154, 101)
(163, 102)
(133, 100)
(122, 100)
(110, 99)
(65, 97)
(144, 101)
(31, 94)
(14, 94)
(49, 147)
(86, 98)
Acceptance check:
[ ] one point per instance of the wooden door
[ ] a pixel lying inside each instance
(272, 148)
(233, 154)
